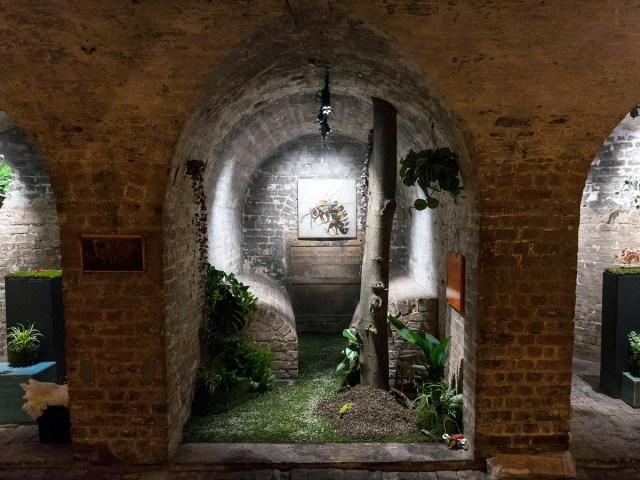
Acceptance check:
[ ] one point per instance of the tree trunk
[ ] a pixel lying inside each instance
(374, 290)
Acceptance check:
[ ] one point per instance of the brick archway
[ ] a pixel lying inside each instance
(609, 223)
(29, 229)
(261, 97)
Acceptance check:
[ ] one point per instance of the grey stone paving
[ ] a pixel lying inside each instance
(604, 431)
(605, 443)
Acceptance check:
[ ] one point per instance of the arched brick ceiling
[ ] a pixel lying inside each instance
(262, 95)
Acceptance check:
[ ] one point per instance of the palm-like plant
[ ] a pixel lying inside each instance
(435, 351)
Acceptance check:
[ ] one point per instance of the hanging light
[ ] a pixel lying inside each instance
(324, 98)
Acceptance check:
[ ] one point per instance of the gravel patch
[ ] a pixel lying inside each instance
(374, 414)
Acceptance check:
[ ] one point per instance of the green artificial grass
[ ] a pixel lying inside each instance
(623, 270)
(285, 413)
(36, 274)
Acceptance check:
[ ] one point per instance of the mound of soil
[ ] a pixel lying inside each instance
(374, 414)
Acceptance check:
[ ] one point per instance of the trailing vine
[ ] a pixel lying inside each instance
(195, 169)
(364, 184)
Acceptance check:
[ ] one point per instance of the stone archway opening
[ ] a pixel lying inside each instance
(29, 240)
(255, 113)
(609, 223)
(609, 228)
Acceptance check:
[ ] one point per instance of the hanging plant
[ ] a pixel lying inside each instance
(434, 170)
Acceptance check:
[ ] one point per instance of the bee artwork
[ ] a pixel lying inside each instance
(326, 208)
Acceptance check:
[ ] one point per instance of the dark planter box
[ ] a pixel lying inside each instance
(631, 389)
(620, 315)
(39, 301)
(54, 425)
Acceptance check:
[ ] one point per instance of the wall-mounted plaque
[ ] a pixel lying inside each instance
(326, 208)
(112, 253)
(455, 280)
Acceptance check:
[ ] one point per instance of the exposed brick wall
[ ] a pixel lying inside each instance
(410, 302)
(453, 226)
(29, 231)
(183, 304)
(270, 208)
(270, 225)
(534, 89)
(273, 325)
(609, 222)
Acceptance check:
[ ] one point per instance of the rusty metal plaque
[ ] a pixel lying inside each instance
(455, 280)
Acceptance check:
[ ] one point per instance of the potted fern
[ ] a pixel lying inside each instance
(23, 345)
(37, 295)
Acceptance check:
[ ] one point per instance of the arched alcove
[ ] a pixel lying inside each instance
(29, 230)
(257, 100)
(609, 223)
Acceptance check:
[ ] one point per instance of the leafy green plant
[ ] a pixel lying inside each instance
(211, 377)
(232, 362)
(442, 396)
(351, 360)
(257, 363)
(434, 171)
(439, 408)
(435, 351)
(634, 358)
(228, 301)
(23, 345)
(5, 178)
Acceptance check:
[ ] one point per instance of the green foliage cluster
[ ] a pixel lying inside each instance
(439, 409)
(438, 405)
(5, 178)
(286, 413)
(36, 274)
(634, 358)
(435, 351)
(434, 171)
(228, 301)
(351, 361)
(233, 363)
(23, 345)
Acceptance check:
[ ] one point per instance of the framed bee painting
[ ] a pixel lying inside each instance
(326, 208)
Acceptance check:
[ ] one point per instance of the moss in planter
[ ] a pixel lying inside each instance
(623, 270)
(36, 274)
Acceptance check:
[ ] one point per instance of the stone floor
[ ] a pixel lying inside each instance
(604, 431)
(605, 434)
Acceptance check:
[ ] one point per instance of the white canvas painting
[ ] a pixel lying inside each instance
(326, 208)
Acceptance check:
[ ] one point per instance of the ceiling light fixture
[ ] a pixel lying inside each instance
(323, 97)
